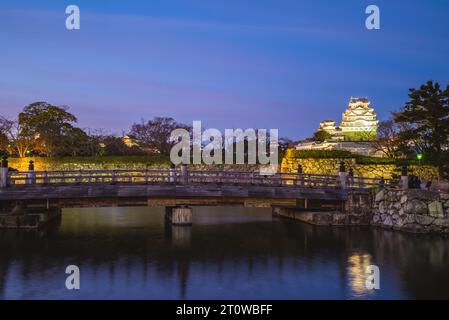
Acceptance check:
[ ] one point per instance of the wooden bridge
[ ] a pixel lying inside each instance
(175, 187)
(171, 188)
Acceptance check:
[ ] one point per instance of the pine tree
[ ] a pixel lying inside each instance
(425, 122)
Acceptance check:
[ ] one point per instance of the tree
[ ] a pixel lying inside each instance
(4, 134)
(3, 142)
(18, 141)
(363, 135)
(322, 135)
(94, 142)
(42, 128)
(425, 118)
(49, 125)
(114, 146)
(154, 135)
(75, 143)
(387, 139)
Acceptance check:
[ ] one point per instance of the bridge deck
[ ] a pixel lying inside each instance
(173, 184)
(38, 191)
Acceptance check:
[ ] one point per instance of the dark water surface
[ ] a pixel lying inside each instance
(228, 253)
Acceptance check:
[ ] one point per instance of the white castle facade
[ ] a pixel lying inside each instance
(357, 130)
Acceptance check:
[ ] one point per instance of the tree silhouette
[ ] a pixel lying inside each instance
(425, 120)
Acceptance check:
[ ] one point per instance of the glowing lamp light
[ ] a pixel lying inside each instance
(419, 156)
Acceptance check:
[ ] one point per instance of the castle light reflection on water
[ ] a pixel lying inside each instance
(228, 253)
(357, 266)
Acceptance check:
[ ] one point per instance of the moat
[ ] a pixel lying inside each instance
(228, 253)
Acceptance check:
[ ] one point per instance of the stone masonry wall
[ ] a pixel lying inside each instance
(413, 210)
(114, 163)
(49, 164)
(331, 166)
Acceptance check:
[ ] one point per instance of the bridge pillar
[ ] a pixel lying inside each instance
(4, 172)
(179, 216)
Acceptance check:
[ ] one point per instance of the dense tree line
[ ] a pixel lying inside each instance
(43, 129)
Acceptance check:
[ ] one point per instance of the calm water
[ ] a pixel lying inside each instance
(232, 252)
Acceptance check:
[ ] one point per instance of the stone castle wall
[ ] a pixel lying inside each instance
(49, 164)
(330, 166)
(413, 210)
(111, 163)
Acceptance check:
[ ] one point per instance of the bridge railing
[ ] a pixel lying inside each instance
(92, 176)
(255, 178)
(173, 176)
(364, 182)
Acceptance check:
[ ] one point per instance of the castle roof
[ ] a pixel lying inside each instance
(355, 100)
(359, 111)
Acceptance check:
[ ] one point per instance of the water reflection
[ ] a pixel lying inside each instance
(357, 266)
(228, 253)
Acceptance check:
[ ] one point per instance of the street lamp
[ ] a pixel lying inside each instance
(419, 156)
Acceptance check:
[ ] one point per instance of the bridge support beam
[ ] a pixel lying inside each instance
(355, 210)
(319, 218)
(179, 216)
(20, 215)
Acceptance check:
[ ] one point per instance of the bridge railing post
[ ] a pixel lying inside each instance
(4, 172)
(350, 178)
(300, 179)
(382, 183)
(184, 174)
(342, 175)
(361, 183)
(45, 177)
(172, 174)
(299, 175)
(404, 177)
(31, 178)
(78, 178)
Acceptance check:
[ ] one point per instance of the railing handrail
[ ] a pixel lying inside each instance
(192, 176)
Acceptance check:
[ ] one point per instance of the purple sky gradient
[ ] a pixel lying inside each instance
(277, 64)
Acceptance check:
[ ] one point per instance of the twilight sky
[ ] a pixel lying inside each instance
(285, 64)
